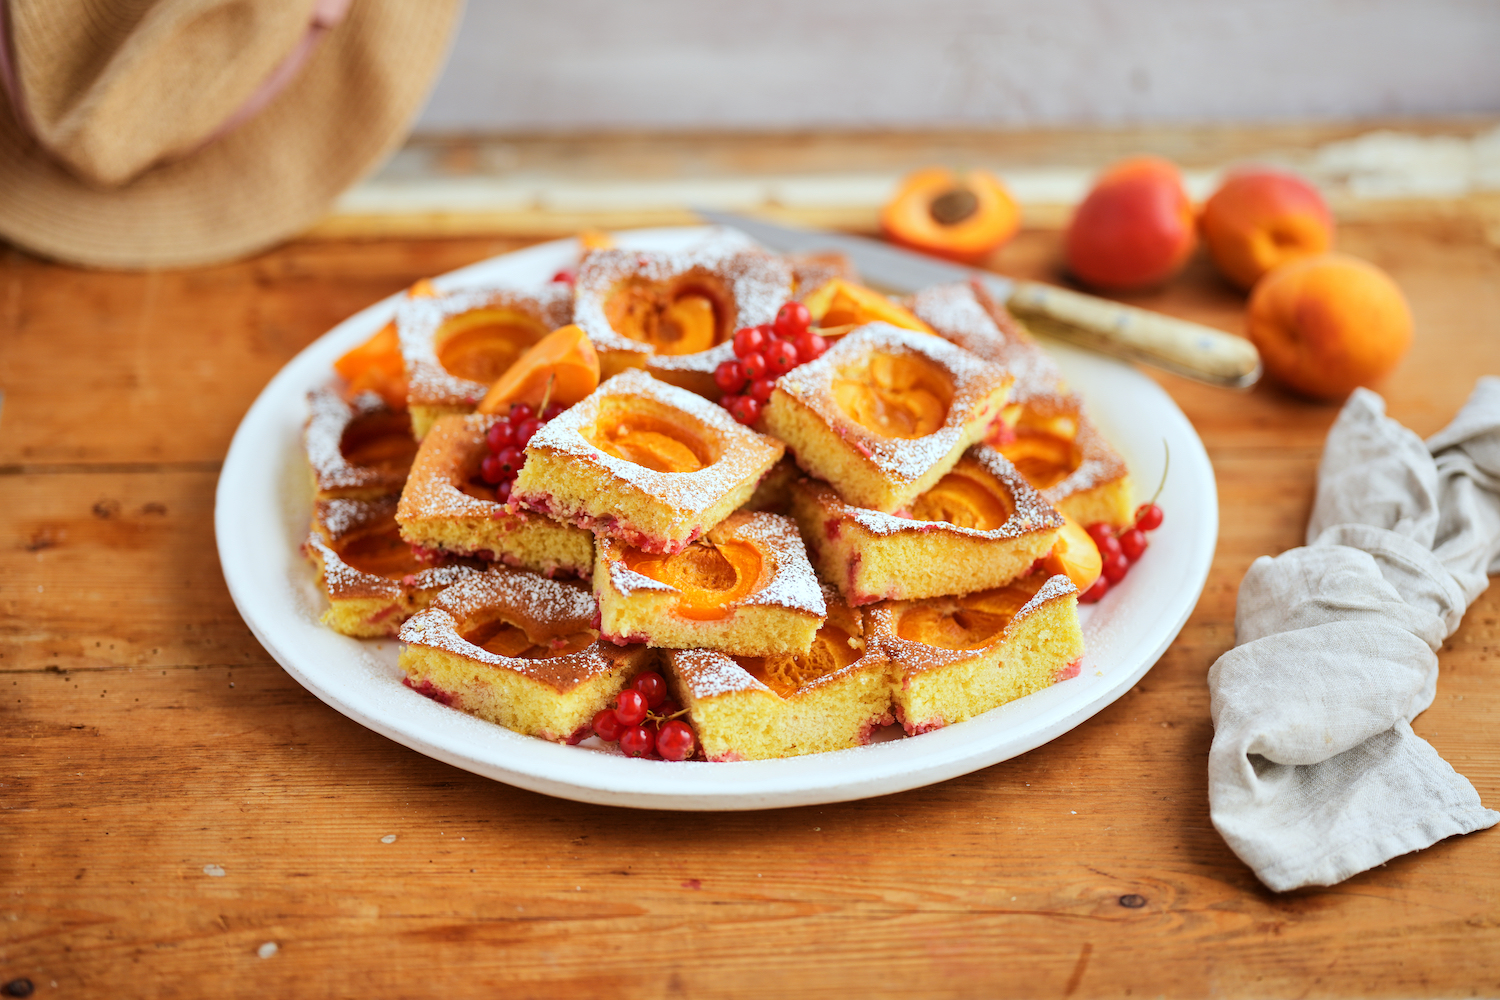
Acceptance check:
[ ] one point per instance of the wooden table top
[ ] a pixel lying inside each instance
(172, 803)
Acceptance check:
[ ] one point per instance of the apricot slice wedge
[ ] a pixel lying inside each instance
(376, 365)
(841, 303)
(565, 357)
(1075, 555)
(964, 218)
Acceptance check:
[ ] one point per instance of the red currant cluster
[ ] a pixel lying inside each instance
(1120, 550)
(507, 440)
(763, 354)
(645, 721)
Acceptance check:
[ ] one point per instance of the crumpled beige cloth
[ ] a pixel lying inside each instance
(1315, 773)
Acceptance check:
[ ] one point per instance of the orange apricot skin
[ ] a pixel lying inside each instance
(907, 218)
(562, 368)
(1324, 325)
(1259, 219)
(1135, 229)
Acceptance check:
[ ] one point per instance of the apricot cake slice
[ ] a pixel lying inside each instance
(761, 707)
(980, 526)
(745, 588)
(455, 346)
(519, 650)
(644, 462)
(674, 314)
(1043, 429)
(885, 413)
(359, 448)
(370, 576)
(447, 508)
(959, 657)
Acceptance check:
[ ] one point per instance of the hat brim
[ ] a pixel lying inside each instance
(267, 180)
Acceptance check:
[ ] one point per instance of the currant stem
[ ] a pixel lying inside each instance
(1167, 465)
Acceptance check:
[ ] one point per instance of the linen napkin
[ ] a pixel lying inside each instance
(1315, 774)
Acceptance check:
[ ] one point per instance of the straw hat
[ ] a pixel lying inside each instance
(179, 132)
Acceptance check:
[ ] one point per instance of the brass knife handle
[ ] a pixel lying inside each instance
(1189, 349)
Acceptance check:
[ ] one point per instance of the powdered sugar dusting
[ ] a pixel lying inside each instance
(904, 460)
(340, 517)
(709, 674)
(329, 416)
(529, 595)
(793, 584)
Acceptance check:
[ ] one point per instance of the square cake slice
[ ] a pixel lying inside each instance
(760, 707)
(745, 588)
(519, 650)
(647, 463)
(981, 526)
(885, 413)
(960, 657)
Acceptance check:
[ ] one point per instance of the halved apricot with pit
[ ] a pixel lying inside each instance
(563, 367)
(843, 303)
(968, 497)
(710, 576)
(895, 395)
(964, 218)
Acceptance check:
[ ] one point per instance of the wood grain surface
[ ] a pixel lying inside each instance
(178, 818)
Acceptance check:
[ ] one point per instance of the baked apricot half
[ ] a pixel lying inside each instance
(964, 218)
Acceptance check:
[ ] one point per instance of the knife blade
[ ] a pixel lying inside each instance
(1178, 346)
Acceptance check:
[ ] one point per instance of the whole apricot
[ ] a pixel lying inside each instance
(1258, 219)
(1135, 229)
(1327, 324)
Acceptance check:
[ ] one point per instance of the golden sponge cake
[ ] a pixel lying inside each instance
(638, 460)
(357, 448)
(446, 508)
(885, 413)
(746, 588)
(980, 526)
(519, 650)
(756, 708)
(959, 657)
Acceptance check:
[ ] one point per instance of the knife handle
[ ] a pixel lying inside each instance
(1190, 349)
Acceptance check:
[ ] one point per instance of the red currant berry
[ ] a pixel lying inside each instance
(668, 708)
(1098, 590)
(1099, 531)
(520, 411)
(552, 412)
(760, 390)
(491, 470)
(607, 725)
(637, 741)
(748, 340)
(746, 410)
(565, 276)
(631, 706)
(1148, 517)
(783, 357)
(653, 685)
(727, 400)
(1115, 567)
(754, 365)
(510, 460)
(501, 435)
(502, 491)
(730, 376)
(792, 320)
(525, 429)
(810, 346)
(1109, 546)
(1133, 543)
(676, 740)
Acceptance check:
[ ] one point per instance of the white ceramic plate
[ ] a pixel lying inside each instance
(263, 508)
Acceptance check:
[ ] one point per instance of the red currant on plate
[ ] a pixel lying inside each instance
(676, 740)
(1148, 517)
(730, 376)
(1098, 590)
(748, 340)
(552, 412)
(745, 409)
(491, 470)
(1099, 531)
(637, 741)
(565, 276)
(631, 706)
(810, 346)
(510, 460)
(782, 357)
(754, 365)
(525, 429)
(607, 725)
(520, 411)
(791, 320)
(1115, 567)
(1109, 545)
(761, 390)
(1133, 543)
(653, 685)
(500, 435)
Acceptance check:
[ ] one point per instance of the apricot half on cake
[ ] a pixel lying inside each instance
(978, 527)
(447, 507)
(519, 650)
(648, 463)
(885, 413)
(370, 576)
(456, 346)
(746, 587)
(831, 697)
(959, 657)
(675, 313)
(359, 448)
